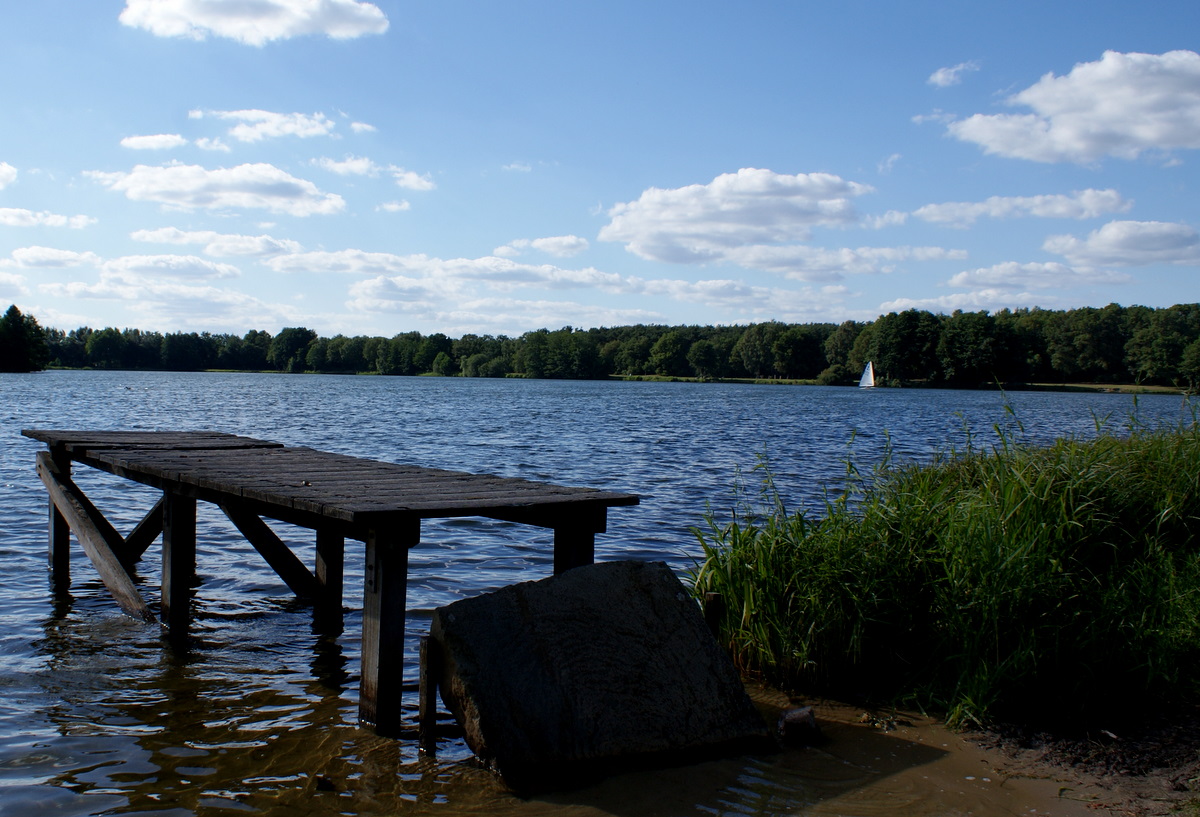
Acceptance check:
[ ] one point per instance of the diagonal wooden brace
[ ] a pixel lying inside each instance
(277, 554)
(145, 533)
(96, 535)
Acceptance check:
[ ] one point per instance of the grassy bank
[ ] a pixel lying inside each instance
(1042, 584)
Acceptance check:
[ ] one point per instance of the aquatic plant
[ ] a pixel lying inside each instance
(1004, 581)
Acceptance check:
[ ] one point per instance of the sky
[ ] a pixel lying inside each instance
(371, 168)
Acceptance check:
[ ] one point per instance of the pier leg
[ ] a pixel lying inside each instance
(178, 559)
(573, 547)
(331, 559)
(385, 585)
(60, 538)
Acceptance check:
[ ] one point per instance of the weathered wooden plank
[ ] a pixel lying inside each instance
(277, 554)
(66, 498)
(178, 559)
(385, 579)
(146, 531)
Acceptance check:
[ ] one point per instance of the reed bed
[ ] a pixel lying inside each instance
(1044, 584)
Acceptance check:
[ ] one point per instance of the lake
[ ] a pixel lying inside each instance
(99, 714)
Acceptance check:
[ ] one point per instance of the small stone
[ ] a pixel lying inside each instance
(798, 727)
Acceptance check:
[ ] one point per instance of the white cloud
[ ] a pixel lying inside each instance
(190, 187)
(410, 180)
(158, 141)
(1080, 204)
(394, 206)
(255, 22)
(186, 267)
(704, 222)
(204, 143)
(14, 217)
(1122, 105)
(1051, 275)
(945, 77)
(362, 127)
(51, 258)
(256, 125)
(219, 245)
(990, 300)
(518, 167)
(805, 263)
(562, 246)
(12, 285)
(350, 166)
(1130, 244)
(8, 174)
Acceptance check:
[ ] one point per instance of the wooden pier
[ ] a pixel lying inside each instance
(339, 497)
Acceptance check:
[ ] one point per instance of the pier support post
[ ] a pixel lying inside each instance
(178, 559)
(60, 535)
(330, 571)
(385, 580)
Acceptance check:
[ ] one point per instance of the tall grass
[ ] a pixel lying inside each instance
(1013, 581)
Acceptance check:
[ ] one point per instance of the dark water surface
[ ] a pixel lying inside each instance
(99, 715)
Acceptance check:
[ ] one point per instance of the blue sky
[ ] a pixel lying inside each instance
(379, 167)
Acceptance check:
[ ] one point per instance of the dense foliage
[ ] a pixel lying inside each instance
(23, 346)
(1047, 585)
(1111, 345)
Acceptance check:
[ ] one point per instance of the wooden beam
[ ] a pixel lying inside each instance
(430, 672)
(330, 572)
(385, 580)
(178, 560)
(277, 554)
(77, 513)
(573, 547)
(142, 536)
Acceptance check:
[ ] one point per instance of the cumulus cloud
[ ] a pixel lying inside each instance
(989, 300)
(185, 267)
(411, 180)
(8, 174)
(50, 258)
(394, 206)
(15, 217)
(562, 246)
(945, 77)
(1122, 105)
(12, 285)
(1130, 244)
(191, 187)
(255, 125)
(1051, 275)
(350, 166)
(703, 222)
(257, 22)
(804, 263)
(1080, 204)
(204, 143)
(158, 141)
(362, 127)
(219, 245)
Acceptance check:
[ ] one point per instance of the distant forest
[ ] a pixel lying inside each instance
(1113, 344)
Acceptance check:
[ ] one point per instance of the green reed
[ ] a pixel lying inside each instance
(1012, 581)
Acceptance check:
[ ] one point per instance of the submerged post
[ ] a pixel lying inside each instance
(178, 558)
(385, 579)
(60, 534)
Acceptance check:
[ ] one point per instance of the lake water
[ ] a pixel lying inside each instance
(100, 715)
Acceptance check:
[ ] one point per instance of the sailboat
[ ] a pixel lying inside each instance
(867, 381)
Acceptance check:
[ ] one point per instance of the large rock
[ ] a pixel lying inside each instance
(560, 681)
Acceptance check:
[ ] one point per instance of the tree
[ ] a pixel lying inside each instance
(23, 346)
(289, 348)
(106, 348)
(668, 356)
(702, 357)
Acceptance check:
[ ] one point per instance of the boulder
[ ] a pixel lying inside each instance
(561, 681)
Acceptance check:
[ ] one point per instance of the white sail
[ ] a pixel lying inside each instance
(867, 381)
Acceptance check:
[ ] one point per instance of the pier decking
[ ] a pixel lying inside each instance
(339, 497)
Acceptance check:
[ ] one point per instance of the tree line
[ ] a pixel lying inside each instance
(1112, 344)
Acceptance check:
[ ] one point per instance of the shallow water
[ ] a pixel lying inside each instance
(99, 714)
